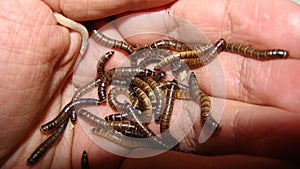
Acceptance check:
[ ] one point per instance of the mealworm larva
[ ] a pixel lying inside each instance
(161, 100)
(116, 117)
(170, 44)
(127, 128)
(89, 117)
(75, 26)
(165, 84)
(49, 142)
(173, 59)
(204, 101)
(182, 94)
(146, 103)
(65, 113)
(84, 160)
(113, 101)
(146, 88)
(86, 88)
(147, 61)
(112, 43)
(255, 53)
(145, 130)
(107, 77)
(119, 138)
(102, 61)
(165, 117)
(207, 56)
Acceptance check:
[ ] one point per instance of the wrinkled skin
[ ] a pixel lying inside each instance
(260, 120)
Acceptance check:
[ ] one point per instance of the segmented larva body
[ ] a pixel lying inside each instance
(49, 142)
(107, 77)
(145, 130)
(161, 100)
(207, 56)
(84, 160)
(170, 44)
(150, 60)
(204, 102)
(80, 92)
(255, 53)
(182, 94)
(146, 115)
(117, 90)
(94, 120)
(127, 128)
(165, 117)
(119, 138)
(112, 43)
(146, 88)
(102, 61)
(65, 113)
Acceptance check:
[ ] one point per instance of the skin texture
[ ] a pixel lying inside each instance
(261, 117)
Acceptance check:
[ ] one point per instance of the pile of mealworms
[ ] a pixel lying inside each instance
(150, 94)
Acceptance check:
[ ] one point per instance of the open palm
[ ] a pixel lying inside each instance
(260, 119)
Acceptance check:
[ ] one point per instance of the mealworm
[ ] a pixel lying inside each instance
(49, 142)
(145, 130)
(255, 53)
(207, 56)
(147, 61)
(65, 113)
(204, 101)
(165, 84)
(84, 160)
(113, 101)
(174, 59)
(102, 61)
(127, 128)
(165, 117)
(146, 88)
(81, 91)
(112, 43)
(170, 44)
(106, 78)
(161, 100)
(75, 26)
(119, 138)
(89, 117)
(146, 115)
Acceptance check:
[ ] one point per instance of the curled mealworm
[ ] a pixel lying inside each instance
(102, 61)
(204, 101)
(50, 141)
(255, 53)
(112, 43)
(75, 26)
(64, 114)
(117, 105)
(146, 115)
(146, 88)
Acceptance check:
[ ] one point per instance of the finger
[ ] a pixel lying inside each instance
(262, 24)
(173, 159)
(254, 130)
(95, 9)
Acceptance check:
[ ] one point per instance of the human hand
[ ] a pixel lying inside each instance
(260, 119)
